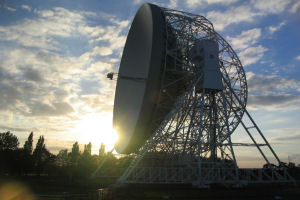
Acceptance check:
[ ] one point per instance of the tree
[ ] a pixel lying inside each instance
(85, 163)
(8, 141)
(40, 147)
(102, 150)
(9, 153)
(62, 163)
(62, 158)
(75, 154)
(28, 144)
(41, 155)
(87, 149)
(27, 161)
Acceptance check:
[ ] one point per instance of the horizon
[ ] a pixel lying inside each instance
(55, 57)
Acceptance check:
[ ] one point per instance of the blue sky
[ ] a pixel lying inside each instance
(54, 56)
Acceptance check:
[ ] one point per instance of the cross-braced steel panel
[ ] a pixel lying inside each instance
(192, 143)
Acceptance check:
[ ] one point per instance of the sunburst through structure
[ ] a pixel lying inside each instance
(181, 93)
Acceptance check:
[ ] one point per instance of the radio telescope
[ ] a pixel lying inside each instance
(181, 92)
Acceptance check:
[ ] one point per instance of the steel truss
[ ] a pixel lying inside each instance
(192, 144)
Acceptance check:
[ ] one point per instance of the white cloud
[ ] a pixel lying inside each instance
(26, 7)
(298, 57)
(58, 22)
(44, 82)
(233, 15)
(273, 29)
(195, 3)
(173, 4)
(10, 8)
(136, 2)
(244, 44)
(270, 7)
(273, 102)
(295, 7)
(103, 51)
(100, 67)
(252, 54)
(112, 37)
(246, 12)
(271, 85)
(122, 24)
(245, 39)
(38, 32)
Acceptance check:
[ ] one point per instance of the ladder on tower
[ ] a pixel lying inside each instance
(279, 173)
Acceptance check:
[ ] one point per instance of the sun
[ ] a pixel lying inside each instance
(97, 129)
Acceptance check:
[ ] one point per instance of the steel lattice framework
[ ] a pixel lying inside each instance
(193, 143)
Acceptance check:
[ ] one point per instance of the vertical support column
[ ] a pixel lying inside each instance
(229, 136)
(200, 136)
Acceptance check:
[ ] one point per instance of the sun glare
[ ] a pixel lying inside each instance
(97, 129)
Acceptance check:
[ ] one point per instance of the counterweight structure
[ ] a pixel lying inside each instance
(201, 100)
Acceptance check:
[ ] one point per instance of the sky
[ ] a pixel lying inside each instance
(55, 54)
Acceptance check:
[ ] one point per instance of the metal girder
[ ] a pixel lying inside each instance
(193, 143)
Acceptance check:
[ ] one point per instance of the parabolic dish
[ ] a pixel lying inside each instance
(138, 82)
(156, 70)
